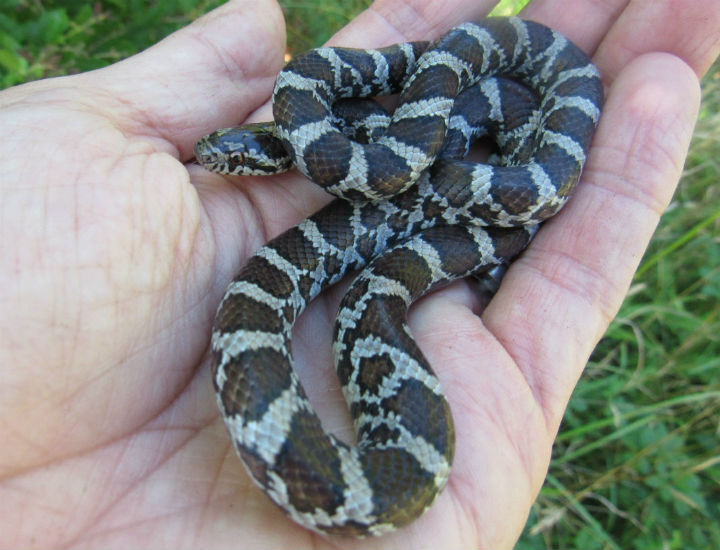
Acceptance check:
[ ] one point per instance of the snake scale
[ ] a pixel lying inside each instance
(415, 215)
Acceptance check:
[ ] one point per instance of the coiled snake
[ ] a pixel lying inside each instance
(415, 215)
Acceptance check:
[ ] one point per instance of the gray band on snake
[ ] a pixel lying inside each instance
(415, 216)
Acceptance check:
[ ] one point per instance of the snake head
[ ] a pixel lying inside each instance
(249, 150)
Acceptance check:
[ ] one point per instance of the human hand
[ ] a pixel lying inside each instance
(114, 256)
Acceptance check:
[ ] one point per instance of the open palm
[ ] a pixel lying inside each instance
(114, 255)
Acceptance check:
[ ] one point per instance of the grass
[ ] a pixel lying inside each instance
(636, 463)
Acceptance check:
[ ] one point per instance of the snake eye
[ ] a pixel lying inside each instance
(237, 158)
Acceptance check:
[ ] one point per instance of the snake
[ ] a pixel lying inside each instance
(412, 214)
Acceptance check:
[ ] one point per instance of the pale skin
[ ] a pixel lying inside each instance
(115, 250)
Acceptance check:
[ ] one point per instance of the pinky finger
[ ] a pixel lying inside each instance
(571, 281)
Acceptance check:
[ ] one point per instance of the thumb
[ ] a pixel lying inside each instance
(209, 74)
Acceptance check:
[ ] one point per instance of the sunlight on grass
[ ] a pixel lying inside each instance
(508, 7)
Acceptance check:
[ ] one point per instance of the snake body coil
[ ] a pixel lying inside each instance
(420, 216)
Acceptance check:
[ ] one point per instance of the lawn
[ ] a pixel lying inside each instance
(636, 464)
